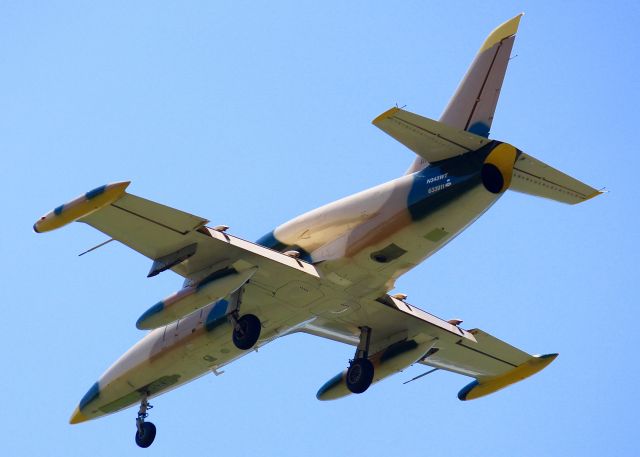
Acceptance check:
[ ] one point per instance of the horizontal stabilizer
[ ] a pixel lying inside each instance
(533, 177)
(431, 140)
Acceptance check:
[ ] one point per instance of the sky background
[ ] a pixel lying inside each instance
(250, 113)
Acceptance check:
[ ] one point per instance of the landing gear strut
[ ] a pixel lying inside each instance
(360, 372)
(246, 330)
(146, 431)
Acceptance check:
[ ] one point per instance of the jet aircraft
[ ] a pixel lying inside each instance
(328, 272)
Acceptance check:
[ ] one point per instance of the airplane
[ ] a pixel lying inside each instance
(328, 272)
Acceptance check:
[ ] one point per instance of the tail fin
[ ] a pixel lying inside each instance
(472, 106)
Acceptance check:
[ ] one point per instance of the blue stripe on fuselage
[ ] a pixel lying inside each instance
(270, 241)
(441, 182)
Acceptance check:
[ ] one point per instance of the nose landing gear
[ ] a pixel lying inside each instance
(146, 431)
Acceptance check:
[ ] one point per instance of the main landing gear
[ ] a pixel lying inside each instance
(146, 431)
(246, 330)
(360, 372)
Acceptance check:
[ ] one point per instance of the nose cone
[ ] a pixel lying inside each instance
(92, 394)
(77, 416)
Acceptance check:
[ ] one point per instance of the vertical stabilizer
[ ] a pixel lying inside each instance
(472, 106)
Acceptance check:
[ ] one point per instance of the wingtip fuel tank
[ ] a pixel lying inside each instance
(477, 389)
(81, 206)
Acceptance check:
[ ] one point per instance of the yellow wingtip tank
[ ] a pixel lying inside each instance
(478, 389)
(501, 32)
(81, 206)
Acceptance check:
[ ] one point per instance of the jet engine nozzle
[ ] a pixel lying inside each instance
(498, 168)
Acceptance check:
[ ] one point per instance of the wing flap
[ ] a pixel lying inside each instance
(390, 319)
(165, 216)
(156, 239)
(150, 228)
(431, 140)
(486, 358)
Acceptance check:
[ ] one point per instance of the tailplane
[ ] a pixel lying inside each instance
(434, 141)
(533, 177)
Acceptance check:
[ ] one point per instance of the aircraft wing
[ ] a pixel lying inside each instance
(493, 363)
(173, 239)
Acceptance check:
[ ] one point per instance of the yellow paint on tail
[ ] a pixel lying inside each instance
(501, 32)
(387, 114)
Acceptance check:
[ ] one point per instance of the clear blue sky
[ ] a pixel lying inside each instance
(249, 113)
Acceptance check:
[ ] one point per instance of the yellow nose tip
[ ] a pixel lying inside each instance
(77, 417)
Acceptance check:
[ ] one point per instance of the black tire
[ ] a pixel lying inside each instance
(247, 335)
(148, 435)
(359, 375)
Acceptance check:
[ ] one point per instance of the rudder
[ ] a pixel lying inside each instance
(473, 104)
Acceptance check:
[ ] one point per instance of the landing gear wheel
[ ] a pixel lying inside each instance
(146, 434)
(359, 375)
(246, 332)
(145, 431)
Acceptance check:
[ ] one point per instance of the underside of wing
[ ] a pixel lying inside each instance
(152, 229)
(534, 177)
(403, 334)
(493, 363)
(171, 238)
